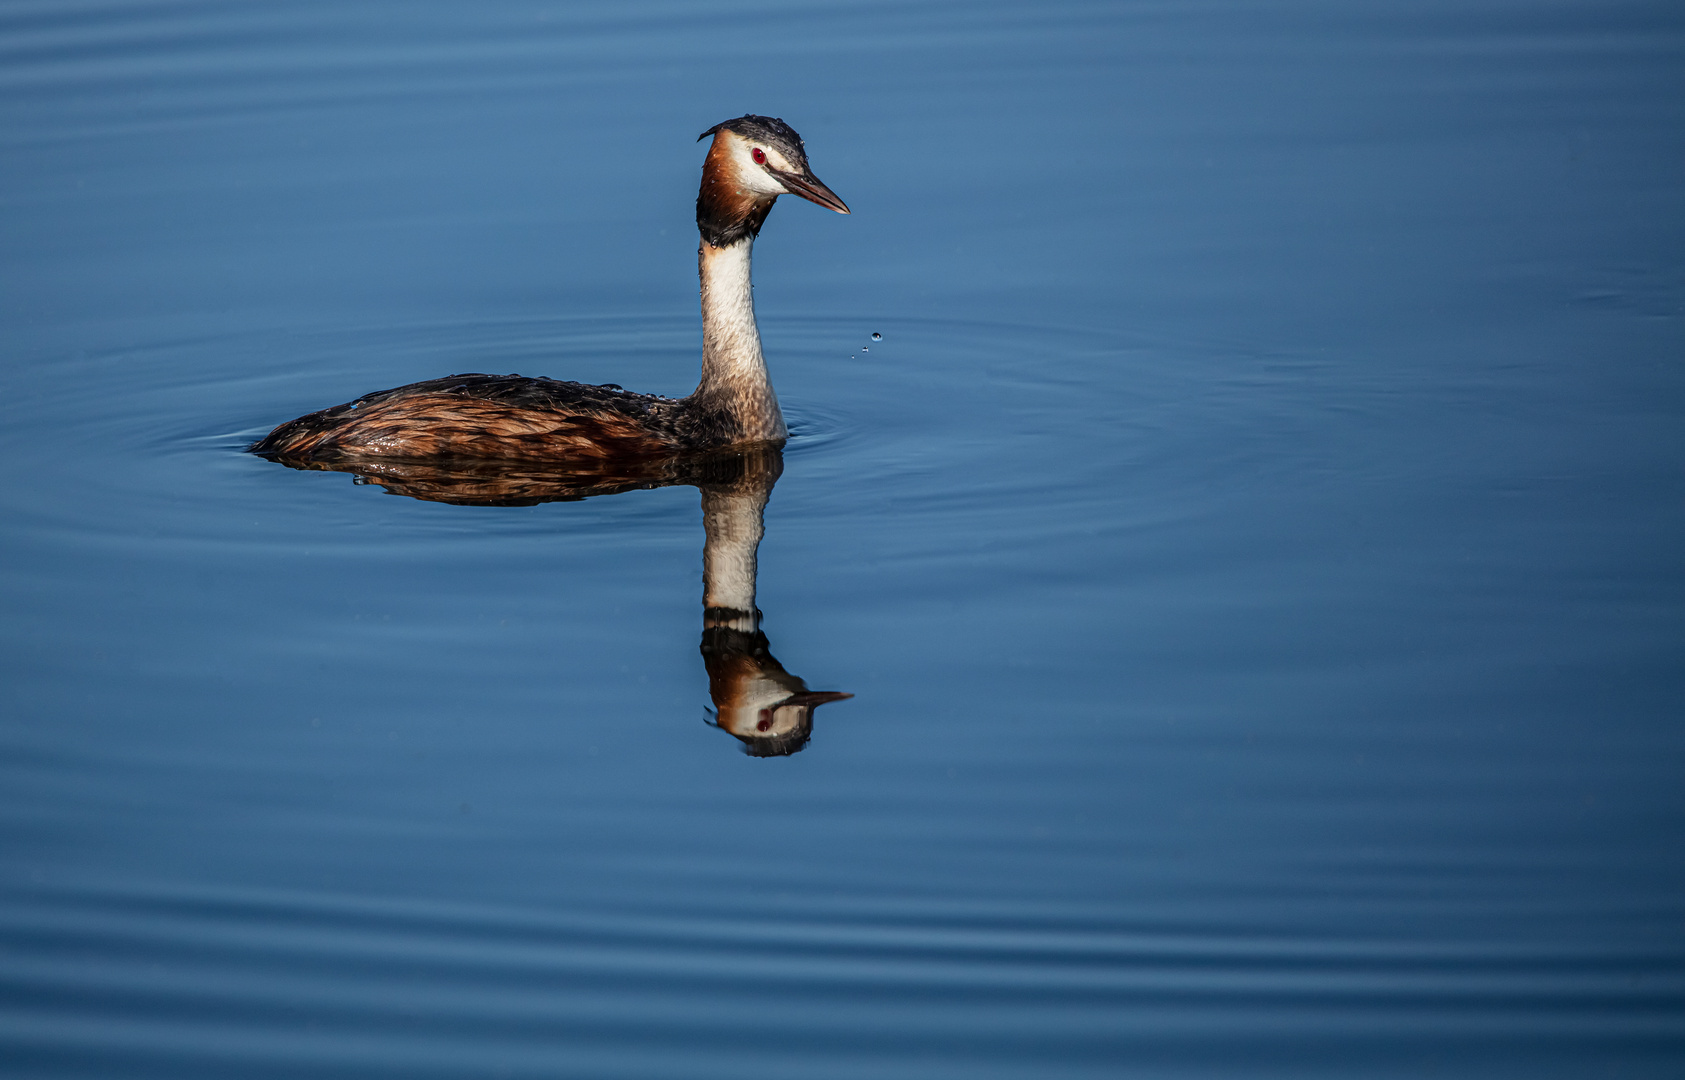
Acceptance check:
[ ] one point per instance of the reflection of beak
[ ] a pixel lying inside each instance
(808, 187)
(815, 697)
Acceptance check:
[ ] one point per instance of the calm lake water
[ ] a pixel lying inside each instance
(1254, 546)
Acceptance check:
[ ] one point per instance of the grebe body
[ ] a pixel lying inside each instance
(752, 161)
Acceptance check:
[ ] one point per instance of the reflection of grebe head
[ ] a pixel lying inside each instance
(767, 708)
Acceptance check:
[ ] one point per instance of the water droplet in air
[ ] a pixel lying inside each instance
(865, 348)
(877, 337)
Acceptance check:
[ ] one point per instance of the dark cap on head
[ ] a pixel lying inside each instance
(767, 129)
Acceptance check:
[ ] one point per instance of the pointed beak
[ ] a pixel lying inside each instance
(816, 698)
(809, 188)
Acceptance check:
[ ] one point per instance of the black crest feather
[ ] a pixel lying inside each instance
(767, 129)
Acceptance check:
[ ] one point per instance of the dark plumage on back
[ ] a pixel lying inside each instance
(488, 416)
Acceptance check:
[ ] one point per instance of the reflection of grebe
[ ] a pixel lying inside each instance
(753, 160)
(755, 699)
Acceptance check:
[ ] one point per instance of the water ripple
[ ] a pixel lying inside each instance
(275, 980)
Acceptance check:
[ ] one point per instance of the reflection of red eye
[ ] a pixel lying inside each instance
(759, 155)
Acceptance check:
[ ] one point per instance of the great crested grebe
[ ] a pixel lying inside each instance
(753, 160)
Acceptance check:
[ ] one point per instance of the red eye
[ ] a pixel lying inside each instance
(759, 155)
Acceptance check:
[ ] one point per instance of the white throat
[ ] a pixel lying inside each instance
(732, 521)
(733, 370)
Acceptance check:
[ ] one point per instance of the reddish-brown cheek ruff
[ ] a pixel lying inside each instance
(724, 210)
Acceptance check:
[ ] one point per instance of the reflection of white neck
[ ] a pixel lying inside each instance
(733, 523)
(733, 369)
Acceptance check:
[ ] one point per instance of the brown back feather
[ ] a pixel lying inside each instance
(484, 416)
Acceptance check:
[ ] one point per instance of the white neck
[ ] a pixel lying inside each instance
(732, 521)
(734, 372)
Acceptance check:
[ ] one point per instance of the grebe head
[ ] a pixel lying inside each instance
(768, 709)
(773, 724)
(766, 156)
(754, 159)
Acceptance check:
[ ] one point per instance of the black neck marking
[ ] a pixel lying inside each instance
(723, 222)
